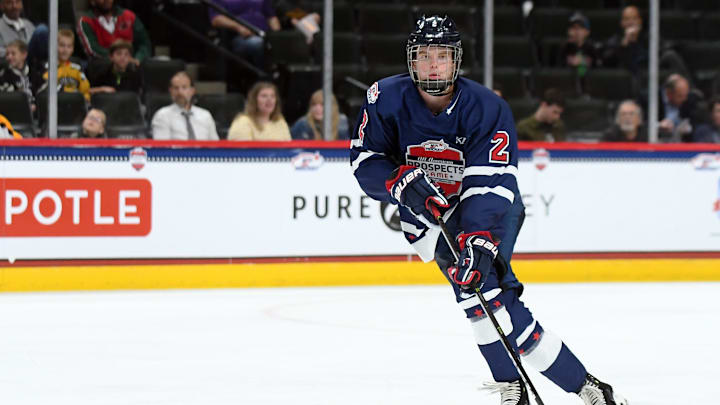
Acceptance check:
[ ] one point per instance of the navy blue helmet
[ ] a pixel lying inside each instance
(435, 46)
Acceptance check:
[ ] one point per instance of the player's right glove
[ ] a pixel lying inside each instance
(477, 259)
(410, 187)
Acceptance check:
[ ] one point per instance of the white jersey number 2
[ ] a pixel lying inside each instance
(498, 153)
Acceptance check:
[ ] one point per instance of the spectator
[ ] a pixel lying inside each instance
(497, 88)
(579, 51)
(71, 78)
(629, 48)
(12, 26)
(709, 133)
(310, 126)
(545, 124)
(121, 75)
(628, 125)
(6, 129)
(262, 119)
(16, 75)
(260, 13)
(677, 108)
(182, 120)
(93, 126)
(105, 24)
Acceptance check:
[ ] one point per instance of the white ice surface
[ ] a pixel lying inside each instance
(656, 343)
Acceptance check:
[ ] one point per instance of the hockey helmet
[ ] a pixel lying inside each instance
(440, 32)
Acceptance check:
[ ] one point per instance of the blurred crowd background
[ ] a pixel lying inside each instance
(571, 70)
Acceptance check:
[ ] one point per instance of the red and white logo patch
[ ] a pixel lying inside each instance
(373, 93)
(138, 158)
(540, 158)
(441, 163)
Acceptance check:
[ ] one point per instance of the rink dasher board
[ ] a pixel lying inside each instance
(161, 202)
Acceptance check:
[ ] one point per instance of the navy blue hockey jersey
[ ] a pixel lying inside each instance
(469, 150)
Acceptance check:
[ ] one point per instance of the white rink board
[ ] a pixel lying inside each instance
(246, 209)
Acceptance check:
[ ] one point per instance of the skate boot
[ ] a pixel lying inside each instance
(596, 392)
(511, 393)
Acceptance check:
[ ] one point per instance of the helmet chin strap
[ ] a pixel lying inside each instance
(433, 88)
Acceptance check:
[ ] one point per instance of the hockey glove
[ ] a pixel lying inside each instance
(410, 187)
(476, 260)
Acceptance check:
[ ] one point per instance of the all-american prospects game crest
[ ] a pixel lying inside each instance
(442, 163)
(138, 158)
(372, 93)
(540, 158)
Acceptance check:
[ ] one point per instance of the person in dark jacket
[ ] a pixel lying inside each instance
(628, 126)
(121, 74)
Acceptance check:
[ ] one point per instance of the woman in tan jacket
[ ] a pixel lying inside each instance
(262, 119)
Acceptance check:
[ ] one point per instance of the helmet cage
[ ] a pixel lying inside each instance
(435, 87)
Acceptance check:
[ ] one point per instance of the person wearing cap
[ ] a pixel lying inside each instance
(121, 74)
(579, 51)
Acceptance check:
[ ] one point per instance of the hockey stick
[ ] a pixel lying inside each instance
(456, 253)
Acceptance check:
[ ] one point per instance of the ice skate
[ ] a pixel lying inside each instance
(511, 393)
(596, 392)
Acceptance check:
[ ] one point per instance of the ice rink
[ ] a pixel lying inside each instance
(656, 343)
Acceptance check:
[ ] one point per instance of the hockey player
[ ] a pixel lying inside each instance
(431, 137)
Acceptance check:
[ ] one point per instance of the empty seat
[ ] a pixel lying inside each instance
(375, 73)
(343, 17)
(678, 25)
(610, 84)
(550, 51)
(511, 51)
(15, 106)
(702, 55)
(124, 116)
(224, 108)
(465, 17)
(384, 18)
(549, 22)
(302, 81)
(563, 79)
(385, 49)
(603, 23)
(522, 107)
(581, 4)
(155, 101)
(158, 72)
(71, 111)
(288, 47)
(507, 21)
(349, 81)
(346, 48)
(709, 27)
(586, 115)
(700, 5)
(512, 81)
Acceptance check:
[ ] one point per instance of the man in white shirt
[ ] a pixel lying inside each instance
(12, 26)
(182, 120)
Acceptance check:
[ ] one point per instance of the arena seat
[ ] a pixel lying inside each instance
(15, 106)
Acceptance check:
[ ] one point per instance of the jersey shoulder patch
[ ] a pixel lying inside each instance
(373, 93)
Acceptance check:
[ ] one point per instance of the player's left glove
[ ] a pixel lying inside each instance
(477, 259)
(410, 187)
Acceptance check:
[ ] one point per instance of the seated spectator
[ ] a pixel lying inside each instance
(628, 125)
(260, 13)
(629, 48)
(709, 133)
(579, 51)
(16, 75)
(310, 126)
(677, 108)
(181, 120)
(545, 124)
(262, 119)
(71, 78)
(105, 23)
(121, 75)
(6, 129)
(93, 126)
